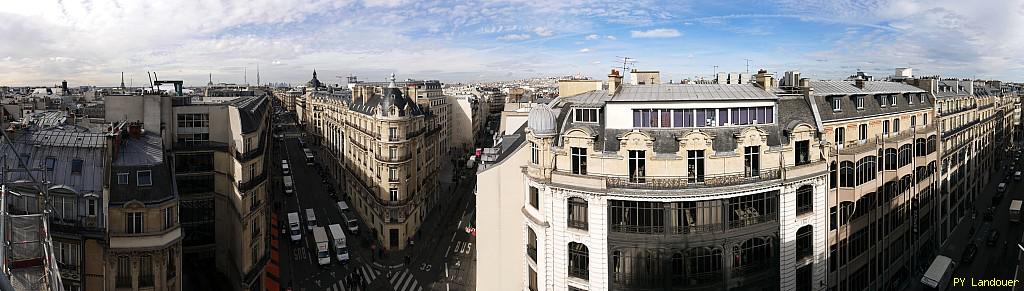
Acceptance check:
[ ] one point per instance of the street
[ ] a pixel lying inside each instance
(443, 257)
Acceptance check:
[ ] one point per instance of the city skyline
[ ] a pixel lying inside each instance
(91, 42)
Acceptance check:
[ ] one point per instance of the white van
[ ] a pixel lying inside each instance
(343, 207)
(1016, 176)
(288, 185)
(350, 223)
(1001, 188)
(338, 243)
(294, 227)
(310, 218)
(285, 169)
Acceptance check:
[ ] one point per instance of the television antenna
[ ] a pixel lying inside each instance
(748, 65)
(627, 63)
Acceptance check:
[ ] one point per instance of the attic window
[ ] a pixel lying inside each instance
(892, 98)
(50, 163)
(837, 104)
(144, 178)
(860, 102)
(76, 166)
(585, 115)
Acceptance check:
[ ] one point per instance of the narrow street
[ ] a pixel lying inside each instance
(443, 257)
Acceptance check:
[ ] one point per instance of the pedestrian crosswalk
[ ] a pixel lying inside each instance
(369, 274)
(403, 281)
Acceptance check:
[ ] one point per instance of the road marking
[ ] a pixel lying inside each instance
(469, 246)
(453, 238)
(405, 282)
(447, 251)
(458, 247)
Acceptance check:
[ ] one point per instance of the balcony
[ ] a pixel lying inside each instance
(393, 159)
(249, 155)
(962, 109)
(685, 182)
(252, 182)
(200, 146)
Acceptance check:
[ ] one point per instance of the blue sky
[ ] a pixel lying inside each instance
(91, 41)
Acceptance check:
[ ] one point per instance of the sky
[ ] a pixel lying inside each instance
(90, 42)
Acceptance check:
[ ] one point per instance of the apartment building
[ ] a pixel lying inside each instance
(390, 145)
(217, 149)
(144, 234)
(655, 186)
(469, 115)
(882, 164)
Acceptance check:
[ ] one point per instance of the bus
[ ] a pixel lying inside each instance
(938, 274)
(1015, 210)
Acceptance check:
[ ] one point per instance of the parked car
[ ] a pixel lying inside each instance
(969, 252)
(989, 213)
(992, 238)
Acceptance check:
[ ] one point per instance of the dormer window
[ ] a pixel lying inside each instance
(144, 178)
(837, 104)
(892, 98)
(860, 102)
(585, 115)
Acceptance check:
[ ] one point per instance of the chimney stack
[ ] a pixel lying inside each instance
(859, 82)
(614, 82)
(765, 80)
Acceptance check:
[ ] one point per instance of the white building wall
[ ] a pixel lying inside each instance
(790, 224)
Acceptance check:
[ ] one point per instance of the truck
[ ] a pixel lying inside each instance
(338, 243)
(938, 274)
(294, 227)
(323, 254)
(1015, 210)
(310, 218)
(288, 185)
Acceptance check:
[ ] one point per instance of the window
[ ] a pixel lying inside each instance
(168, 217)
(753, 255)
(906, 154)
(134, 222)
(145, 271)
(194, 120)
(803, 152)
(392, 174)
(890, 159)
(392, 153)
(637, 216)
(866, 169)
(585, 115)
(579, 160)
(833, 176)
(846, 174)
(913, 121)
(534, 153)
(924, 119)
(752, 161)
(68, 254)
(840, 135)
(919, 147)
(255, 228)
(892, 99)
(531, 244)
(860, 102)
(885, 127)
(837, 104)
(804, 242)
(50, 163)
(804, 202)
(637, 166)
(577, 213)
(144, 178)
(534, 197)
(579, 264)
(124, 272)
(76, 166)
(896, 125)
(91, 206)
(695, 159)
(393, 134)
(862, 132)
(533, 279)
(393, 194)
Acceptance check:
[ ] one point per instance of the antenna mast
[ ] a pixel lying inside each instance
(748, 65)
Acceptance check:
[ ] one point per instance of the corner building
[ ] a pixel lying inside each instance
(389, 148)
(673, 186)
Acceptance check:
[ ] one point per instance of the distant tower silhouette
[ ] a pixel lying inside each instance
(257, 74)
(122, 80)
(211, 80)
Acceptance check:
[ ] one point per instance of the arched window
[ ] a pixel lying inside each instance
(579, 261)
(922, 173)
(752, 255)
(804, 242)
(577, 213)
(676, 268)
(703, 265)
(906, 154)
(531, 244)
(846, 174)
(920, 149)
(890, 159)
(866, 171)
(931, 144)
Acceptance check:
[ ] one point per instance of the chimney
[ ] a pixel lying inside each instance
(765, 80)
(805, 82)
(859, 82)
(614, 82)
(969, 86)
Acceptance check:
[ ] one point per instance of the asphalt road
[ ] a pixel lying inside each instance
(443, 257)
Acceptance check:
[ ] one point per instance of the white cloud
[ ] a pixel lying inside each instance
(514, 37)
(596, 62)
(585, 50)
(611, 37)
(543, 31)
(592, 37)
(655, 33)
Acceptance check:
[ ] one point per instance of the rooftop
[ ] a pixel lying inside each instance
(678, 92)
(870, 87)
